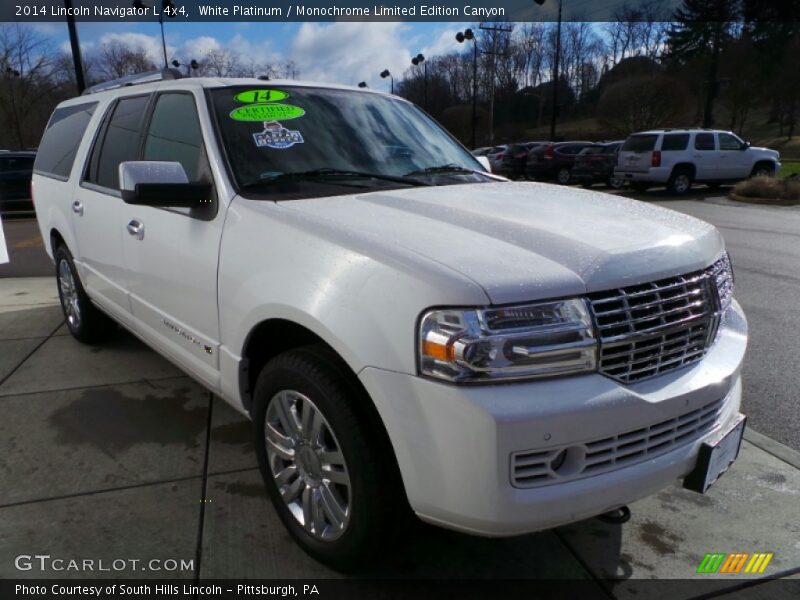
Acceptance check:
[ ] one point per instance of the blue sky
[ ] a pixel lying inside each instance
(344, 52)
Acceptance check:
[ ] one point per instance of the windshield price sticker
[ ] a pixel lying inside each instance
(266, 112)
(257, 96)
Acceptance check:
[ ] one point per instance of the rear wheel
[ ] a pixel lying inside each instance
(680, 182)
(328, 471)
(85, 321)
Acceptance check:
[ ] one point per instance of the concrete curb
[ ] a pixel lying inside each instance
(776, 449)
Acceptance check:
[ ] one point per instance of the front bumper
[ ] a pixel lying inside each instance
(454, 443)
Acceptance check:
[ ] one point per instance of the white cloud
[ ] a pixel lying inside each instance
(349, 52)
(199, 47)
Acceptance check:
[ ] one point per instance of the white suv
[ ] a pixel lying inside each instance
(679, 157)
(406, 331)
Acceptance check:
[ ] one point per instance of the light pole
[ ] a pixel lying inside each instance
(384, 74)
(168, 7)
(420, 60)
(16, 74)
(76, 48)
(461, 37)
(556, 65)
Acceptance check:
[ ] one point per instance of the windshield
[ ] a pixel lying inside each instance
(295, 142)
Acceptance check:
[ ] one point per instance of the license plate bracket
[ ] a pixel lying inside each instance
(715, 457)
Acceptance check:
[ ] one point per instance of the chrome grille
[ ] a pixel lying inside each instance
(651, 328)
(556, 465)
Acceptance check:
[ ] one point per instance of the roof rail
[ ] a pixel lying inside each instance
(137, 79)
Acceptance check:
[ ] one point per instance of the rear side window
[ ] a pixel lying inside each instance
(61, 139)
(674, 142)
(704, 141)
(574, 149)
(120, 143)
(640, 143)
(592, 150)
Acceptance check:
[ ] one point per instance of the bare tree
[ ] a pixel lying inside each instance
(117, 59)
(25, 68)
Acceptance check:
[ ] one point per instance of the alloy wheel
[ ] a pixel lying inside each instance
(69, 295)
(563, 176)
(307, 464)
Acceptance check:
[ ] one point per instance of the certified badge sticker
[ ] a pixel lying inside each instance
(266, 112)
(277, 136)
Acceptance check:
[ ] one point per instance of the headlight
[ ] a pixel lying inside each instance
(515, 342)
(722, 273)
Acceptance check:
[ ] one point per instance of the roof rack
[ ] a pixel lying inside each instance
(137, 79)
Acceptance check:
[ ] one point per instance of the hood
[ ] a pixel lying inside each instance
(522, 241)
(767, 151)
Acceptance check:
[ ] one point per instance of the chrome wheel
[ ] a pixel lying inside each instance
(69, 295)
(563, 176)
(307, 464)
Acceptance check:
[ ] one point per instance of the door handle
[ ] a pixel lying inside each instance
(136, 229)
(77, 208)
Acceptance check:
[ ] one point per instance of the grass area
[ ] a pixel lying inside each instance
(789, 168)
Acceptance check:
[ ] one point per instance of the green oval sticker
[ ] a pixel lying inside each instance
(251, 96)
(267, 112)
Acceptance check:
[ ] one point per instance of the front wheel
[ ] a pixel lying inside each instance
(328, 471)
(615, 183)
(763, 170)
(85, 322)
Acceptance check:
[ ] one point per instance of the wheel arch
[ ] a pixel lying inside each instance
(684, 166)
(274, 336)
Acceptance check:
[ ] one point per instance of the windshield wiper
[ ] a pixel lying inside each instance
(448, 168)
(325, 173)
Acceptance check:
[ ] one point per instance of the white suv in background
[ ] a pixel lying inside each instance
(678, 158)
(406, 331)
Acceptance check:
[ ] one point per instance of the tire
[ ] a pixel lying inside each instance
(563, 176)
(84, 320)
(344, 499)
(615, 183)
(680, 182)
(763, 170)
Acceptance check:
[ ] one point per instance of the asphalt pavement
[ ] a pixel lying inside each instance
(764, 243)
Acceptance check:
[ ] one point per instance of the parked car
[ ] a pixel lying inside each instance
(677, 158)
(16, 169)
(553, 161)
(496, 157)
(596, 163)
(482, 151)
(409, 334)
(514, 157)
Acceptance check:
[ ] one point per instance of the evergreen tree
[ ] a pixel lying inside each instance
(700, 29)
